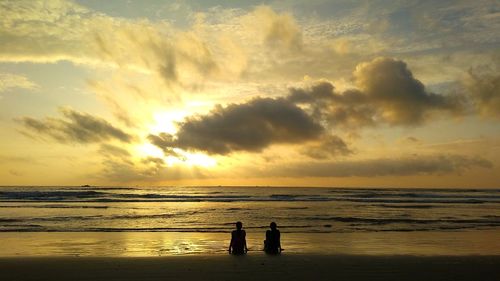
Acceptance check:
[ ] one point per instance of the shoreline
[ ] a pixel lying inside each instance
(253, 267)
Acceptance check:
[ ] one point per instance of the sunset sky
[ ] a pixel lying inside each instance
(280, 93)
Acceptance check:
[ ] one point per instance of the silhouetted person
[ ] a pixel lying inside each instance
(272, 244)
(238, 245)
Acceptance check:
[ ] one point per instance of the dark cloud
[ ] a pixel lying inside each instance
(165, 142)
(250, 126)
(74, 126)
(413, 141)
(323, 91)
(483, 87)
(331, 146)
(403, 100)
(350, 109)
(386, 92)
(423, 165)
(113, 151)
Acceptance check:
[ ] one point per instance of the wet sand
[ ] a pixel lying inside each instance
(252, 267)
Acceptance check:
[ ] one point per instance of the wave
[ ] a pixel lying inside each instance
(52, 195)
(407, 206)
(381, 221)
(173, 198)
(420, 195)
(99, 217)
(106, 188)
(418, 200)
(9, 220)
(57, 206)
(124, 194)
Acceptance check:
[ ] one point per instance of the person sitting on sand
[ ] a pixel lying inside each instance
(238, 245)
(272, 244)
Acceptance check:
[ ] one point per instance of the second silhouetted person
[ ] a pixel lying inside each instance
(272, 244)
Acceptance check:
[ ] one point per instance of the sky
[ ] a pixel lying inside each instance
(270, 93)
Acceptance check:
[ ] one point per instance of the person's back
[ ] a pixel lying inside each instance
(238, 243)
(272, 244)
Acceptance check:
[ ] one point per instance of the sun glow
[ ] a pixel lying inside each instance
(198, 159)
(165, 121)
(183, 158)
(149, 150)
(190, 159)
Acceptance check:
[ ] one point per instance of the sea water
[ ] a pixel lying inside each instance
(145, 221)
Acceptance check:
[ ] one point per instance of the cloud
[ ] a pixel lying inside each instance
(409, 140)
(113, 151)
(10, 81)
(482, 84)
(164, 141)
(43, 31)
(250, 126)
(74, 127)
(349, 109)
(51, 31)
(9, 159)
(389, 84)
(386, 92)
(118, 170)
(148, 169)
(279, 31)
(119, 165)
(331, 146)
(415, 165)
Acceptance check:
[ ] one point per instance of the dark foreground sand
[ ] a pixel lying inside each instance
(253, 267)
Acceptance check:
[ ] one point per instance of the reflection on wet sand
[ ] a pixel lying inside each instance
(170, 243)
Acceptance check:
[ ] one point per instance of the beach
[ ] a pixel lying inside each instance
(203, 256)
(253, 267)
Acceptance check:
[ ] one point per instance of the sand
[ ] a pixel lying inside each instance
(253, 267)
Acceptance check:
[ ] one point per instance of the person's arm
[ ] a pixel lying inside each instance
(279, 241)
(230, 243)
(245, 239)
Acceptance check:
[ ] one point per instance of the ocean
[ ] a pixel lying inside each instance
(310, 219)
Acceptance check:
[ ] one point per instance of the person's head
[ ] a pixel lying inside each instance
(273, 225)
(239, 225)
